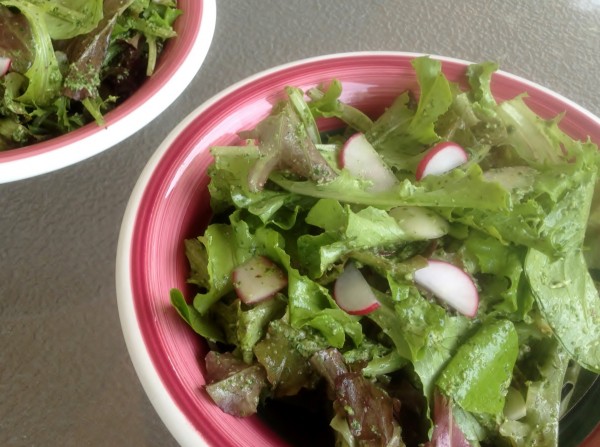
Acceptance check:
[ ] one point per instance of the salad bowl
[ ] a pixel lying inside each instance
(171, 203)
(178, 63)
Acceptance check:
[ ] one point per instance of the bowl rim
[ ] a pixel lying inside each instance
(164, 404)
(120, 123)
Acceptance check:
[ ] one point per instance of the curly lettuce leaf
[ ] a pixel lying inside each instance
(152, 20)
(325, 103)
(201, 324)
(502, 283)
(345, 231)
(458, 188)
(549, 211)
(403, 130)
(309, 303)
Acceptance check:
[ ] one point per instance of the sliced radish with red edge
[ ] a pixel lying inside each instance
(449, 284)
(441, 158)
(360, 159)
(258, 279)
(4, 65)
(353, 293)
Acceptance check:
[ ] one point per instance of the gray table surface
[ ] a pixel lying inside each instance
(65, 376)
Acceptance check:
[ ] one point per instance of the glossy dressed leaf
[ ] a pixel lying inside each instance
(44, 74)
(478, 375)
(569, 301)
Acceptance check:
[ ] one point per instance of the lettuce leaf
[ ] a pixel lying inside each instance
(480, 372)
(44, 74)
(68, 18)
(568, 299)
(401, 130)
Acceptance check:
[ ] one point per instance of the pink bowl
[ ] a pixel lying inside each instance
(170, 203)
(177, 66)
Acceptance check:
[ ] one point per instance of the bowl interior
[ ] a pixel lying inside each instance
(174, 205)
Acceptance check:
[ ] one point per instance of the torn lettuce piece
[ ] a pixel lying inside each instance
(403, 130)
(201, 324)
(284, 354)
(354, 399)
(69, 18)
(461, 189)
(568, 299)
(478, 375)
(284, 143)
(233, 385)
(540, 425)
(87, 54)
(16, 40)
(44, 75)
(345, 231)
(326, 103)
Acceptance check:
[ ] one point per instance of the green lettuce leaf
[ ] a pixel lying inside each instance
(403, 130)
(68, 18)
(460, 189)
(478, 375)
(345, 231)
(44, 74)
(327, 104)
(569, 301)
(540, 425)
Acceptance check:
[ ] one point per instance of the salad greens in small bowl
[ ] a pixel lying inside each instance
(79, 76)
(370, 249)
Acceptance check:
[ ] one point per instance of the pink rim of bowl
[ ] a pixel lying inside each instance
(177, 66)
(170, 203)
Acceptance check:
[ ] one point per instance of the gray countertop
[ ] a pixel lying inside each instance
(65, 376)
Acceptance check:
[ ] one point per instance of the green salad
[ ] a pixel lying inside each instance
(441, 306)
(64, 63)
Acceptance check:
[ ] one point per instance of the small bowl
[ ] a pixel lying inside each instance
(177, 65)
(170, 203)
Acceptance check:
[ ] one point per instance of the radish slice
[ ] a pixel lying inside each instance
(258, 279)
(361, 160)
(4, 65)
(419, 223)
(450, 284)
(441, 158)
(353, 293)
